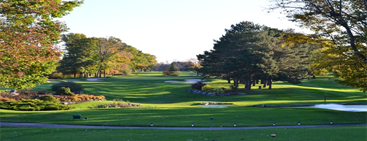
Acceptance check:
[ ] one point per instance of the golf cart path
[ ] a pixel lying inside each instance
(41, 125)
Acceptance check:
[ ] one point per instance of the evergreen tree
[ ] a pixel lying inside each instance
(173, 70)
(249, 52)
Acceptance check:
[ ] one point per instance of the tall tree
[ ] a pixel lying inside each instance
(141, 61)
(344, 23)
(249, 52)
(78, 56)
(28, 34)
(106, 48)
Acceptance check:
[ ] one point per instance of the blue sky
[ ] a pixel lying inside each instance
(170, 29)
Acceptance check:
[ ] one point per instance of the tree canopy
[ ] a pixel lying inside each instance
(79, 54)
(85, 55)
(28, 35)
(250, 52)
(340, 28)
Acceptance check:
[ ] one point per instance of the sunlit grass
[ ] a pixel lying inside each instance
(168, 104)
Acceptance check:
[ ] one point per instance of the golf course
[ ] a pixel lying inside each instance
(170, 105)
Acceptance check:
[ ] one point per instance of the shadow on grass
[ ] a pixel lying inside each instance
(152, 90)
(243, 116)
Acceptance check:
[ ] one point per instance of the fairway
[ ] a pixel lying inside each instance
(169, 105)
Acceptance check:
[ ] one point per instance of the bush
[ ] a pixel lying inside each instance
(174, 73)
(5, 98)
(165, 72)
(64, 91)
(32, 105)
(217, 91)
(126, 71)
(294, 81)
(118, 104)
(49, 98)
(198, 85)
(173, 70)
(206, 88)
(79, 97)
(234, 88)
(56, 75)
(75, 88)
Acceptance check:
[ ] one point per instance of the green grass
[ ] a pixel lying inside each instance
(355, 133)
(168, 104)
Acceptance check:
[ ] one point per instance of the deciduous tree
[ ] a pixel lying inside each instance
(78, 55)
(28, 34)
(344, 23)
(106, 48)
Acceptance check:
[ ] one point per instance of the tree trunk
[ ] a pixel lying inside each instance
(104, 73)
(270, 83)
(99, 72)
(244, 81)
(74, 74)
(265, 83)
(229, 81)
(235, 81)
(248, 83)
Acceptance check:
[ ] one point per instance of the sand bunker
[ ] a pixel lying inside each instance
(339, 107)
(186, 81)
(88, 79)
(214, 107)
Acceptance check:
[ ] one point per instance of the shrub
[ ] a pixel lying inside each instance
(56, 75)
(174, 73)
(294, 81)
(165, 72)
(79, 97)
(198, 85)
(32, 105)
(173, 70)
(206, 88)
(51, 106)
(126, 71)
(234, 88)
(75, 88)
(118, 104)
(64, 91)
(217, 90)
(49, 98)
(5, 98)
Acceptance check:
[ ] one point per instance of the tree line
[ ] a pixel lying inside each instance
(86, 56)
(189, 65)
(28, 34)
